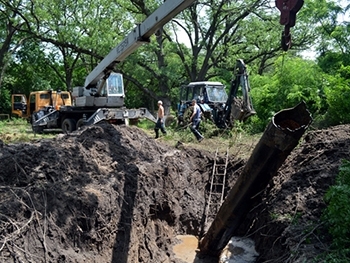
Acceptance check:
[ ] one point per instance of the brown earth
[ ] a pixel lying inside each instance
(113, 194)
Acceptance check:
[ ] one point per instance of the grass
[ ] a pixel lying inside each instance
(19, 130)
(237, 141)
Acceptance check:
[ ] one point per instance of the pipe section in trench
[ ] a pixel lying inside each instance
(281, 136)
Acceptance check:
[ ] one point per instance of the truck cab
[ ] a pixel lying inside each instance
(24, 108)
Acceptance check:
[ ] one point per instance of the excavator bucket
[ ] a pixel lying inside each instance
(239, 111)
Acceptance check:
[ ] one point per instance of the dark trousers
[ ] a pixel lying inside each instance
(194, 128)
(159, 125)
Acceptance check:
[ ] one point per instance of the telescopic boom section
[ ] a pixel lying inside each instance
(138, 36)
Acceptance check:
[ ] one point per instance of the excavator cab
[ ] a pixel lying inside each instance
(216, 105)
(208, 94)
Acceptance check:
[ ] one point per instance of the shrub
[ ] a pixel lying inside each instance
(337, 215)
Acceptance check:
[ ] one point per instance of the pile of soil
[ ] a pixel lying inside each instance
(286, 225)
(113, 194)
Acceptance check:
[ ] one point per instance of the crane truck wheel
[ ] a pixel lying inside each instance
(80, 123)
(68, 125)
(36, 128)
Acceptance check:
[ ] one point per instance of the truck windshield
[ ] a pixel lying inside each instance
(217, 94)
(115, 85)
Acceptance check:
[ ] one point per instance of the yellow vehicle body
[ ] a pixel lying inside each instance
(37, 100)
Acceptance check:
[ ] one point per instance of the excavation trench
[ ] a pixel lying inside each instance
(112, 194)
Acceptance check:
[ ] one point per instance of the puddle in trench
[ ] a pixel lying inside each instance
(238, 250)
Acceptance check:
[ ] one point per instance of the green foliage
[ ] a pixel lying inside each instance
(338, 94)
(337, 213)
(292, 81)
(254, 125)
(330, 62)
(145, 124)
(28, 74)
(5, 101)
(335, 256)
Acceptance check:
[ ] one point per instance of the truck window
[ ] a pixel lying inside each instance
(64, 96)
(115, 85)
(19, 99)
(216, 94)
(44, 96)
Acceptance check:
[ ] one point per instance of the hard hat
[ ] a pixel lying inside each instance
(160, 102)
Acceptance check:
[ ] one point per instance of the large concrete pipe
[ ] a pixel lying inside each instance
(279, 139)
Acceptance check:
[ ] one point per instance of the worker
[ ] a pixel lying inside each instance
(160, 120)
(196, 120)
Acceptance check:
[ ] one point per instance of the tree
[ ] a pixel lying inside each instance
(338, 93)
(11, 39)
(293, 80)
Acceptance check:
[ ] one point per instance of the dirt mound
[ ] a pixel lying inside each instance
(286, 225)
(107, 194)
(113, 194)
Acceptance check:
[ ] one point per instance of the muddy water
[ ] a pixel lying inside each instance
(238, 250)
(186, 249)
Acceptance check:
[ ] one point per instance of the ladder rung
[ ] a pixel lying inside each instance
(217, 188)
(216, 194)
(216, 205)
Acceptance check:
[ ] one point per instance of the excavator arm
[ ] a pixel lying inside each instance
(235, 108)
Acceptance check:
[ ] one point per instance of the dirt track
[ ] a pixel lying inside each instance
(113, 194)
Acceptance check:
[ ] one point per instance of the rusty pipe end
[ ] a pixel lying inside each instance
(293, 120)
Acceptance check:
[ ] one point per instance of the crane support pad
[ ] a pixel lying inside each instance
(279, 139)
(119, 114)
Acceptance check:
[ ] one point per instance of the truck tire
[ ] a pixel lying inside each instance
(80, 123)
(36, 128)
(69, 125)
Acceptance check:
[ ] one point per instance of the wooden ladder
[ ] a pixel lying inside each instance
(217, 185)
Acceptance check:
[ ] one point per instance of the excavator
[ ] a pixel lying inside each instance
(102, 96)
(215, 104)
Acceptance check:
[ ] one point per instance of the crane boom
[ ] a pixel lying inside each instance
(137, 37)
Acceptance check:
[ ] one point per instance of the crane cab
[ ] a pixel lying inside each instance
(107, 93)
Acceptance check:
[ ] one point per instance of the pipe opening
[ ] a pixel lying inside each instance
(293, 119)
